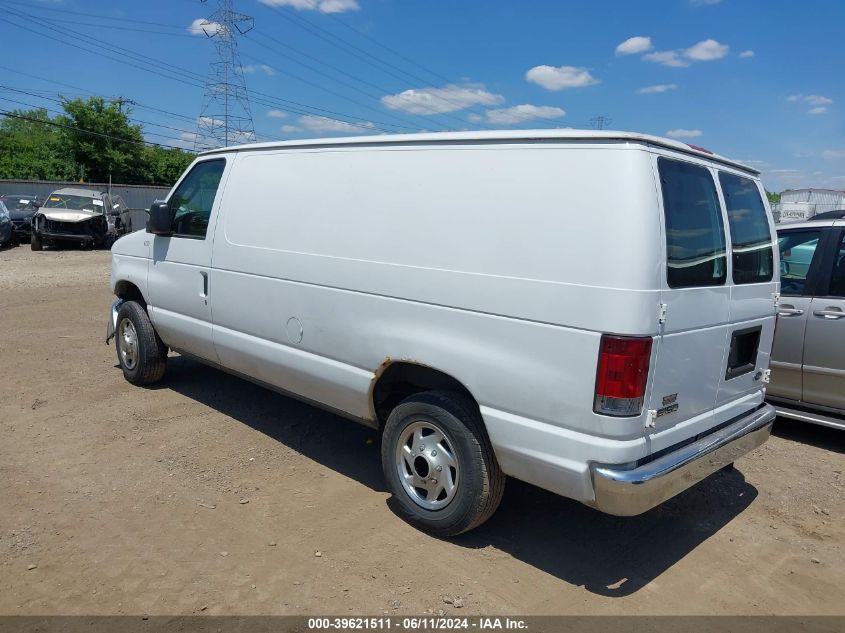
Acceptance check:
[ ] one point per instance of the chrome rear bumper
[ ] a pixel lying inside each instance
(630, 491)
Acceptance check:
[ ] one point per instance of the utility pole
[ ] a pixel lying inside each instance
(121, 101)
(226, 115)
(600, 122)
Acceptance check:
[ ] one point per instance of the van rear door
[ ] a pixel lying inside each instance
(716, 334)
(754, 288)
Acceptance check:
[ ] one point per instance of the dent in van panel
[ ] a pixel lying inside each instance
(508, 364)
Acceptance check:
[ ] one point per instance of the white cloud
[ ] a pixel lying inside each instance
(201, 26)
(656, 89)
(439, 100)
(833, 154)
(819, 103)
(667, 58)
(682, 133)
(634, 45)
(475, 118)
(323, 6)
(707, 50)
(703, 51)
(264, 68)
(746, 54)
(291, 128)
(525, 112)
(560, 77)
(277, 114)
(817, 100)
(814, 100)
(321, 124)
(211, 121)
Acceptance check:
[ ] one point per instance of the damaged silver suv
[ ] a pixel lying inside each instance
(74, 215)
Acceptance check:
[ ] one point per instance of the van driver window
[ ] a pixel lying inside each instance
(192, 202)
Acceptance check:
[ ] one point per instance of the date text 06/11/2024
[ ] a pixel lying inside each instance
(416, 623)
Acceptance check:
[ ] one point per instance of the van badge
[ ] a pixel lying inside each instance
(667, 410)
(671, 399)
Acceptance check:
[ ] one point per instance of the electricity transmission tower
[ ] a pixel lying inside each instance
(601, 122)
(226, 116)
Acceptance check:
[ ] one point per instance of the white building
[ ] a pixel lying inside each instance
(802, 204)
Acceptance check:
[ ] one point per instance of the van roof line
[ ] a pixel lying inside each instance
(492, 135)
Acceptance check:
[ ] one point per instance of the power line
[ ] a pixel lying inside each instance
(351, 49)
(188, 77)
(10, 114)
(341, 96)
(120, 101)
(32, 106)
(28, 4)
(340, 71)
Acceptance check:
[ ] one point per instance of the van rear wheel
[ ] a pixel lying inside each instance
(141, 353)
(439, 464)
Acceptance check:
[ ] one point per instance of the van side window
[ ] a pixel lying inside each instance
(191, 203)
(751, 251)
(695, 234)
(797, 249)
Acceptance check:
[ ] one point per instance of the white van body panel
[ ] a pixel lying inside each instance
(497, 259)
(131, 261)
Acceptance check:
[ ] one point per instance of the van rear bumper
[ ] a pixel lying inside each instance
(627, 491)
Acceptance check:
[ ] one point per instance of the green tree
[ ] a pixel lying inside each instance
(103, 140)
(94, 140)
(773, 197)
(32, 149)
(163, 166)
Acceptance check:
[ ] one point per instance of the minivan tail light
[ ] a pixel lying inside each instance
(622, 375)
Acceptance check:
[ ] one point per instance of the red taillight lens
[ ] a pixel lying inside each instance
(622, 375)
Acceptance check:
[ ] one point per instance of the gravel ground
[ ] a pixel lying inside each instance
(210, 495)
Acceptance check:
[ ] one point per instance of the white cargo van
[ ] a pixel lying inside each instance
(590, 312)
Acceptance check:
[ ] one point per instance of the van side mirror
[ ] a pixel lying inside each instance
(161, 219)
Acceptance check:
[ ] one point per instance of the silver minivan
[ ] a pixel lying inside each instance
(808, 357)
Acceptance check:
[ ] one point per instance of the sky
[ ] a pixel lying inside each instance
(760, 82)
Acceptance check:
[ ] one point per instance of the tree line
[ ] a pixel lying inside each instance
(93, 140)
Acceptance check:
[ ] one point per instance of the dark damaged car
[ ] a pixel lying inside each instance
(72, 215)
(21, 210)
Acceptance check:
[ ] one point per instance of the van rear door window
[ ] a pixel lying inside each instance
(695, 233)
(751, 250)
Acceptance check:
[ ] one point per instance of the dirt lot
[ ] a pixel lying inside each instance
(211, 495)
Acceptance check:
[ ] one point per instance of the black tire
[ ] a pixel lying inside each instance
(480, 480)
(145, 363)
(35, 242)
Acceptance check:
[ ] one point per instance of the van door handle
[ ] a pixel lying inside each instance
(787, 312)
(829, 313)
(204, 292)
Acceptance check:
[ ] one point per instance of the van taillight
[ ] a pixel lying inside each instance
(622, 375)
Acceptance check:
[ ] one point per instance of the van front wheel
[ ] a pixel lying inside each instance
(439, 464)
(141, 353)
